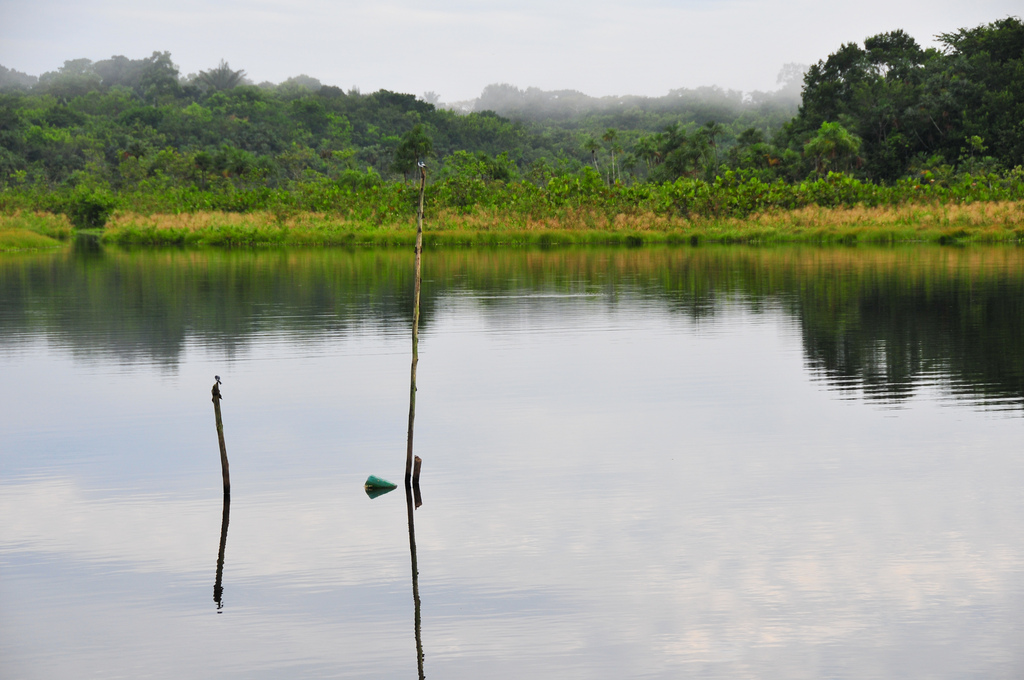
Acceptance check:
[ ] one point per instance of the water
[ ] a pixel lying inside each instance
(648, 463)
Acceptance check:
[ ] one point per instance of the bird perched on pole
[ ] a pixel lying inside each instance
(217, 378)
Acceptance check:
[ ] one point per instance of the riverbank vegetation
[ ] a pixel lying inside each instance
(32, 231)
(985, 222)
(880, 133)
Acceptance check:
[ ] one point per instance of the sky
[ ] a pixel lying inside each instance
(456, 47)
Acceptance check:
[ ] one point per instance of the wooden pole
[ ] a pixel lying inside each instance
(415, 326)
(220, 439)
(409, 475)
(417, 619)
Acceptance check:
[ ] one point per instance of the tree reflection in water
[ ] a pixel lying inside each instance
(879, 321)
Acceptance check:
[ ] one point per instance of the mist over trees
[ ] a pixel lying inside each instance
(14, 80)
(700, 104)
(882, 110)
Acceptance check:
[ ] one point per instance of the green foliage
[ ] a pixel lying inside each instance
(221, 78)
(886, 113)
(833, 148)
(30, 231)
(88, 208)
(908, 104)
(416, 146)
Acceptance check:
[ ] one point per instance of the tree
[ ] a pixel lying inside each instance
(591, 144)
(712, 131)
(118, 70)
(833, 148)
(894, 55)
(876, 92)
(11, 79)
(158, 77)
(647, 149)
(984, 72)
(74, 79)
(680, 153)
(220, 78)
(303, 81)
(415, 145)
(609, 138)
(204, 164)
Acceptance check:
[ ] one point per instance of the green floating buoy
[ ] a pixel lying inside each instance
(375, 482)
(376, 486)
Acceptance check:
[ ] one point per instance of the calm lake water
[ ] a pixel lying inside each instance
(638, 463)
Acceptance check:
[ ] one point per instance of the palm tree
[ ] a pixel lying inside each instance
(646, 148)
(592, 145)
(713, 130)
(221, 78)
(609, 138)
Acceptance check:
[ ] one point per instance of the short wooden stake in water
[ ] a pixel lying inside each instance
(220, 439)
(416, 481)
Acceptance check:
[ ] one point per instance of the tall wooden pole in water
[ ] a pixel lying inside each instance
(411, 481)
(220, 439)
(415, 326)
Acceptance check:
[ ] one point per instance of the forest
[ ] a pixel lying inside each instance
(878, 122)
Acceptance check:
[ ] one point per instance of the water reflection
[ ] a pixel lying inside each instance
(417, 620)
(786, 530)
(879, 324)
(87, 244)
(377, 491)
(218, 590)
(218, 587)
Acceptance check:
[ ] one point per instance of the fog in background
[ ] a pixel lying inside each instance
(457, 48)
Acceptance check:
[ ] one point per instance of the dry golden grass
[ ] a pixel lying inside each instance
(996, 221)
(566, 220)
(190, 221)
(993, 216)
(1003, 215)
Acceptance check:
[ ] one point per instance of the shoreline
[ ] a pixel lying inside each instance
(929, 222)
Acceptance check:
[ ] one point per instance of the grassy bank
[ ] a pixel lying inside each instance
(987, 222)
(33, 231)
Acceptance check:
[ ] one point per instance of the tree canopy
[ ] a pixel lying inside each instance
(880, 110)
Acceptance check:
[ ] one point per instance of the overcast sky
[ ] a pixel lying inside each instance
(456, 47)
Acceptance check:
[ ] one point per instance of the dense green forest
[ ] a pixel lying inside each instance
(123, 122)
(882, 112)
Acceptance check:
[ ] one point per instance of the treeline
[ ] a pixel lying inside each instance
(127, 124)
(885, 113)
(908, 109)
